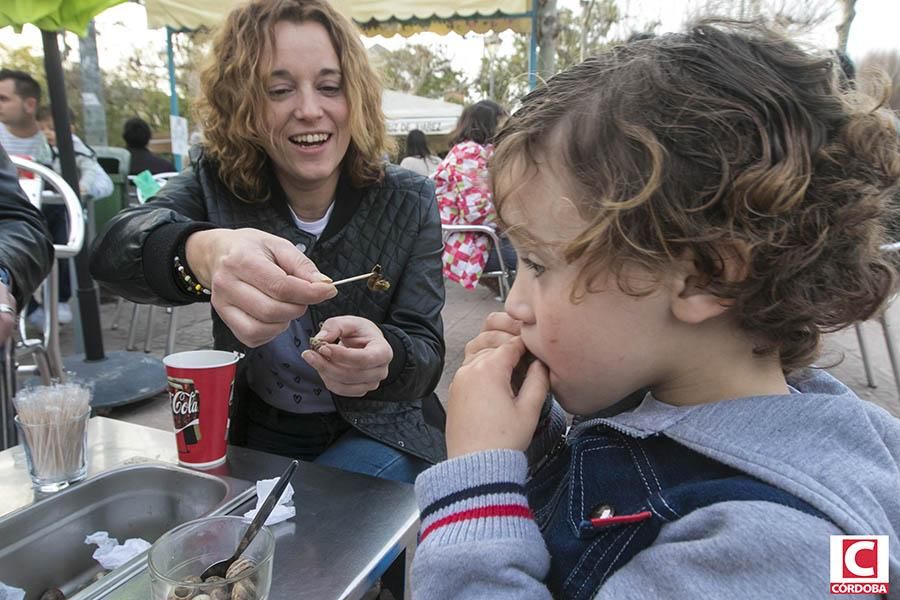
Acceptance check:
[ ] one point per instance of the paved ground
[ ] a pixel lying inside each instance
(463, 315)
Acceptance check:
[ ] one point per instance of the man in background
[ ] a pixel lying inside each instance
(20, 134)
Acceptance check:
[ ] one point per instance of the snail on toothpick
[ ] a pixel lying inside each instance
(375, 281)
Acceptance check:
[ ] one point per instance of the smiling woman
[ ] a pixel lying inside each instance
(289, 193)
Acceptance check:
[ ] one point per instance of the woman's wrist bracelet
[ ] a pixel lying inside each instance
(187, 280)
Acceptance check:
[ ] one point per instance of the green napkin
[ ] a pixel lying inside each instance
(146, 185)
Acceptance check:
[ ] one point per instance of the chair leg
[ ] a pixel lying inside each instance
(132, 328)
(504, 287)
(889, 340)
(148, 337)
(173, 329)
(115, 320)
(863, 351)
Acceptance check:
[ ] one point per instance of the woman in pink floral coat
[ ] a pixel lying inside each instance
(464, 195)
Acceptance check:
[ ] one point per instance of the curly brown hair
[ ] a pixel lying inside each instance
(233, 84)
(728, 140)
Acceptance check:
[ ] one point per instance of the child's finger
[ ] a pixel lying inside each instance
(501, 321)
(534, 389)
(509, 353)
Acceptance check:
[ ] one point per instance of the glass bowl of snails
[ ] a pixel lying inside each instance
(178, 558)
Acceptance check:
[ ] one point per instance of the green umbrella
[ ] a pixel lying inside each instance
(53, 15)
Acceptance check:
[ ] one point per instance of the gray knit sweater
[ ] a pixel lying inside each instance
(820, 443)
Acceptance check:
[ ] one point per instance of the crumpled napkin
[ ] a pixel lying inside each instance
(11, 593)
(282, 511)
(110, 554)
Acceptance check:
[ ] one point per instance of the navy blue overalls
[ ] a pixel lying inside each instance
(603, 497)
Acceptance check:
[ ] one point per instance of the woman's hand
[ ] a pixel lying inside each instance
(355, 359)
(498, 329)
(259, 282)
(483, 412)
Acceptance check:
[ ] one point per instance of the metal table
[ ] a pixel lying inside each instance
(349, 531)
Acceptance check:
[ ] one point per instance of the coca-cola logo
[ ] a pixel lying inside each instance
(185, 403)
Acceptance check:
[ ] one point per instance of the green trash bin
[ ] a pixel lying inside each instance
(108, 207)
(116, 162)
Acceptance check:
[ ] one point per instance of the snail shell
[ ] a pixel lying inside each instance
(219, 593)
(241, 565)
(243, 590)
(181, 593)
(202, 597)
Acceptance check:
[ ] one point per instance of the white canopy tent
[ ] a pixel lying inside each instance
(375, 17)
(405, 112)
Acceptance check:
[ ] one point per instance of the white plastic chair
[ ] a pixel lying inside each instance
(502, 274)
(887, 329)
(161, 179)
(45, 351)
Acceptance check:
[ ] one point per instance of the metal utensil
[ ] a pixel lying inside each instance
(220, 568)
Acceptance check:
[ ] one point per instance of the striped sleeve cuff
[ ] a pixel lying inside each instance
(475, 497)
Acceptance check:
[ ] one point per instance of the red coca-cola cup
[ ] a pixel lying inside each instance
(201, 384)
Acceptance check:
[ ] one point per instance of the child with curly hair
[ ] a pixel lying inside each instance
(691, 213)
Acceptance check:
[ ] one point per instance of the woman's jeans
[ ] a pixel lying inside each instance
(327, 439)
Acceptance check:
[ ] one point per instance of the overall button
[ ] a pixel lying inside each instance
(602, 511)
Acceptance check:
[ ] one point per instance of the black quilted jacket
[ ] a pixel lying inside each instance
(394, 223)
(26, 250)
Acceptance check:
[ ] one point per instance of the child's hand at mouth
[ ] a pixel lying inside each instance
(498, 329)
(485, 412)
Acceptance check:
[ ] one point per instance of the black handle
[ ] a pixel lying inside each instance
(266, 508)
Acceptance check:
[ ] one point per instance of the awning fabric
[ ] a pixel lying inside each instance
(53, 15)
(405, 112)
(375, 17)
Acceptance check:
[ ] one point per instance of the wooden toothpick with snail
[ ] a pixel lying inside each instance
(375, 281)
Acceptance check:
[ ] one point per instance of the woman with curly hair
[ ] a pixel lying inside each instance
(288, 194)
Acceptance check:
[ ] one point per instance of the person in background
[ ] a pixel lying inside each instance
(464, 196)
(692, 213)
(137, 135)
(419, 158)
(288, 194)
(20, 133)
(26, 249)
(93, 181)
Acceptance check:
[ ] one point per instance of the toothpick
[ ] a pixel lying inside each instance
(356, 278)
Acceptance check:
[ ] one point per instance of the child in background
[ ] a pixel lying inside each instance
(92, 179)
(93, 182)
(691, 212)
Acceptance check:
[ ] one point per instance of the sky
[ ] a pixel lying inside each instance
(125, 26)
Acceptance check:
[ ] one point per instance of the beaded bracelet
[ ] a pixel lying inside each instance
(190, 282)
